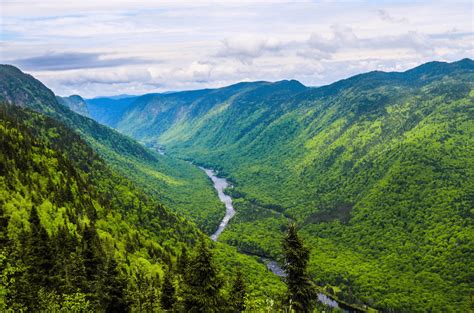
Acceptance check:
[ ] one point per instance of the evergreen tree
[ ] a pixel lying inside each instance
(168, 297)
(92, 253)
(38, 253)
(237, 295)
(301, 292)
(3, 227)
(112, 289)
(183, 261)
(201, 284)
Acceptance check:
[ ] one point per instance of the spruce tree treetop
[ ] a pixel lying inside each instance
(301, 292)
(237, 293)
(202, 284)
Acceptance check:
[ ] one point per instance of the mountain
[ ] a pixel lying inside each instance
(75, 103)
(377, 169)
(81, 228)
(31, 92)
(175, 183)
(108, 110)
(71, 225)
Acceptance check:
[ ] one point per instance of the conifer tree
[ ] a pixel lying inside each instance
(92, 253)
(201, 284)
(183, 261)
(168, 296)
(113, 287)
(237, 295)
(38, 252)
(301, 292)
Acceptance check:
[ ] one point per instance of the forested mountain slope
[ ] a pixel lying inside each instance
(177, 184)
(377, 168)
(77, 236)
(108, 111)
(76, 233)
(75, 103)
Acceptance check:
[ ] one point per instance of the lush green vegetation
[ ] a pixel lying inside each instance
(74, 232)
(75, 103)
(176, 184)
(377, 168)
(76, 235)
(108, 111)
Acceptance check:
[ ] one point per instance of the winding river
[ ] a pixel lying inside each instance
(220, 184)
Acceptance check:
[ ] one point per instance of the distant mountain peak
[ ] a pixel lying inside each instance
(75, 103)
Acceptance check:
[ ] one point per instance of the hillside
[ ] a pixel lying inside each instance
(75, 103)
(75, 234)
(377, 169)
(108, 111)
(72, 225)
(76, 230)
(175, 183)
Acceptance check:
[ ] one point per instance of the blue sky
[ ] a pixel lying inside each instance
(106, 47)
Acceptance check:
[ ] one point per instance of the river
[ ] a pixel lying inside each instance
(220, 184)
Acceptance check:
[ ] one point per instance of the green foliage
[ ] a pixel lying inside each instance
(301, 292)
(201, 287)
(237, 294)
(64, 229)
(377, 169)
(168, 296)
(76, 234)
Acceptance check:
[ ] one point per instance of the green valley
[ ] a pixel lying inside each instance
(80, 228)
(220, 156)
(376, 168)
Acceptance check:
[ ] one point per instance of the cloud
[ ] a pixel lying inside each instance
(109, 47)
(320, 47)
(247, 47)
(385, 16)
(72, 60)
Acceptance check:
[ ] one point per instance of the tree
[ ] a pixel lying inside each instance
(168, 296)
(38, 255)
(201, 283)
(113, 287)
(183, 261)
(301, 292)
(237, 295)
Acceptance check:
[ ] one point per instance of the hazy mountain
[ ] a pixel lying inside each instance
(75, 103)
(109, 110)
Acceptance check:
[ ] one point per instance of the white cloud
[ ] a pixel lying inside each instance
(102, 47)
(384, 15)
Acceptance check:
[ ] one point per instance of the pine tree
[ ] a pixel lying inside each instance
(183, 261)
(93, 253)
(38, 252)
(112, 289)
(201, 284)
(237, 295)
(301, 292)
(168, 297)
(3, 228)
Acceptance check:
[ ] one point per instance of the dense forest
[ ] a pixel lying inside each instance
(79, 235)
(377, 169)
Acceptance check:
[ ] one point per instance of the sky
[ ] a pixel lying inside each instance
(113, 47)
